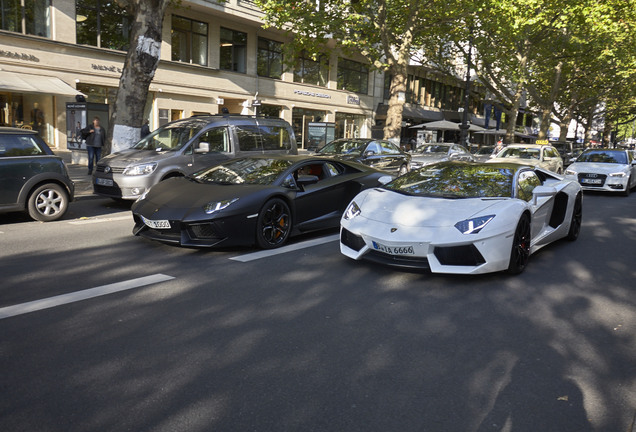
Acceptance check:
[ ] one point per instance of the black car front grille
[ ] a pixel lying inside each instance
(107, 190)
(397, 260)
(465, 255)
(592, 179)
(351, 240)
(204, 231)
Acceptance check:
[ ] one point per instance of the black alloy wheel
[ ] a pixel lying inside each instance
(274, 224)
(520, 251)
(48, 202)
(577, 218)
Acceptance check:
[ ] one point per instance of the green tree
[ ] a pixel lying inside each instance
(386, 33)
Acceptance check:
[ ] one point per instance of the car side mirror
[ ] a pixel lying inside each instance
(306, 180)
(385, 179)
(542, 191)
(202, 147)
(369, 153)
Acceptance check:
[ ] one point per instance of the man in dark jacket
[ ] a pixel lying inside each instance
(95, 137)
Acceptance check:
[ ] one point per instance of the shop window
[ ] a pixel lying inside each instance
(310, 71)
(103, 24)
(269, 58)
(353, 76)
(189, 41)
(31, 17)
(233, 52)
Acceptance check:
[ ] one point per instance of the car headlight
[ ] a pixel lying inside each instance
(352, 211)
(215, 206)
(141, 169)
(617, 174)
(474, 225)
(570, 172)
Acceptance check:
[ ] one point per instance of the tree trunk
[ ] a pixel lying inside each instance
(546, 111)
(393, 126)
(139, 69)
(511, 115)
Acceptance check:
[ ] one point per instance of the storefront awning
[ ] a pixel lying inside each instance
(413, 112)
(25, 83)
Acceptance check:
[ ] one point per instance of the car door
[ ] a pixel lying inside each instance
(320, 205)
(392, 155)
(211, 147)
(542, 208)
(20, 159)
(373, 157)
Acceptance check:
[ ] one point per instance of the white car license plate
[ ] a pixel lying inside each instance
(103, 182)
(591, 181)
(394, 250)
(156, 224)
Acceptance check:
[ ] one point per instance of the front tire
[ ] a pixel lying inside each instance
(577, 217)
(274, 224)
(628, 187)
(48, 202)
(520, 251)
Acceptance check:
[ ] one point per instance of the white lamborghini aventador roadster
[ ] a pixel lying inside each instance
(462, 217)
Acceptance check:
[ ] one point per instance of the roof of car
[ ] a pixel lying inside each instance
(15, 130)
(537, 146)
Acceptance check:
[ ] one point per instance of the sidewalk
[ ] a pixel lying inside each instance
(78, 173)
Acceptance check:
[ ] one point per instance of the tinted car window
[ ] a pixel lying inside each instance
(16, 145)
(217, 139)
(388, 148)
(275, 137)
(249, 137)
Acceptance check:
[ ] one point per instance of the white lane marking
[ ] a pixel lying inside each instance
(73, 297)
(98, 220)
(302, 245)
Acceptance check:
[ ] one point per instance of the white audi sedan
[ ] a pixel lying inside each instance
(611, 170)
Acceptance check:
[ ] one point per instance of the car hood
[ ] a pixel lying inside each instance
(597, 167)
(530, 162)
(391, 207)
(428, 158)
(181, 197)
(128, 157)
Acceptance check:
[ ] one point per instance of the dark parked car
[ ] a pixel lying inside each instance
(32, 178)
(375, 153)
(260, 200)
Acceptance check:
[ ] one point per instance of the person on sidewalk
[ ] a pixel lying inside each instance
(95, 137)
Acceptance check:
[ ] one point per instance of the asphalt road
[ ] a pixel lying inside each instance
(104, 331)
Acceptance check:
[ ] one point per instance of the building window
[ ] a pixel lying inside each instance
(310, 71)
(233, 52)
(31, 17)
(189, 41)
(103, 24)
(353, 76)
(269, 58)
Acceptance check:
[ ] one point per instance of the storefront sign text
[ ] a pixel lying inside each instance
(19, 56)
(106, 68)
(308, 93)
(353, 100)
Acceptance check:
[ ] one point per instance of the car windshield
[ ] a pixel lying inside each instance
(244, 171)
(432, 148)
(449, 180)
(172, 136)
(604, 156)
(520, 153)
(484, 150)
(351, 147)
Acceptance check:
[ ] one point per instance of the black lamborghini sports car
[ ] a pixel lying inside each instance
(261, 200)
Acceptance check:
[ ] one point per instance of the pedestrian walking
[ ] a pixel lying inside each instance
(95, 137)
(145, 129)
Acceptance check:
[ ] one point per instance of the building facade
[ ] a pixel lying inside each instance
(214, 57)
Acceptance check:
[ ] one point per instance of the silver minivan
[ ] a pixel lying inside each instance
(182, 147)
